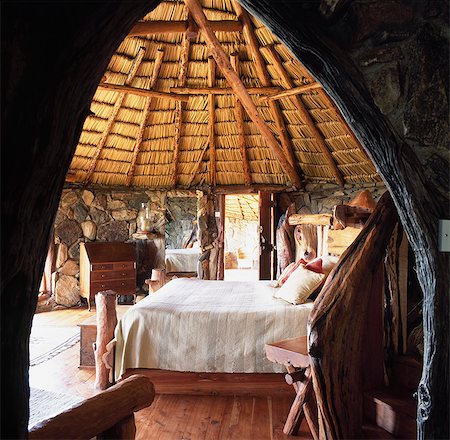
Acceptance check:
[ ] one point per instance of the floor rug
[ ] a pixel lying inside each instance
(48, 341)
(45, 404)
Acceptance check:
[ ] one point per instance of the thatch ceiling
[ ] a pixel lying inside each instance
(242, 207)
(169, 115)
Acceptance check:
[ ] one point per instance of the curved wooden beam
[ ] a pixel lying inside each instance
(337, 323)
(143, 92)
(100, 413)
(212, 122)
(420, 206)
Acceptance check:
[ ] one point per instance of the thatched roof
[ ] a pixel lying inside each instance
(142, 134)
(242, 207)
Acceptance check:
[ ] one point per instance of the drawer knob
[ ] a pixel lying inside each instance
(123, 274)
(103, 275)
(103, 285)
(123, 284)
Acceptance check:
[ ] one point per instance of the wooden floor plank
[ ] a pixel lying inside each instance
(170, 417)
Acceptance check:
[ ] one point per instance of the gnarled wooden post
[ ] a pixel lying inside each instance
(337, 323)
(105, 304)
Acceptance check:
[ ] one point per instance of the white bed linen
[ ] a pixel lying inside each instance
(207, 326)
(182, 260)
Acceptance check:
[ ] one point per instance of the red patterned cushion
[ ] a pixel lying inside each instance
(315, 265)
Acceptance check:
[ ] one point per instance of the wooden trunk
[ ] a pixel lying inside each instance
(105, 304)
(337, 326)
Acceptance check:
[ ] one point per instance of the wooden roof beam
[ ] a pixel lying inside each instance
(266, 81)
(143, 28)
(143, 92)
(179, 108)
(294, 91)
(239, 115)
(233, 79)
(121, 96)
(223, 91)
(197, 165)
(212, 122)
(304, 114)
(145, 113)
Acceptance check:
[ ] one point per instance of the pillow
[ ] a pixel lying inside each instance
(302, 283)
(322, 264)
(287, 272)
(328, 263)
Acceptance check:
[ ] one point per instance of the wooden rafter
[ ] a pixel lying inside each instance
(233, 79)
(266, 81)
(179, 108)
(239, 114)
(212, 122)
(222, 90)
(304, 114)
(143, 92)
(121, 96)
(293, 91)
(145, 113)
(337, 114)
(143, 28)
(198, 163)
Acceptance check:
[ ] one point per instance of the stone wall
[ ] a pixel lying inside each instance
(321, 198)
(402, 50)
(181, 212)
(101, 215)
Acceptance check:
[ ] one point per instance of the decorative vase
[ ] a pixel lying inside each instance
(144, 223)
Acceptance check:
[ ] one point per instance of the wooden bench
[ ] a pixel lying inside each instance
(293, 354)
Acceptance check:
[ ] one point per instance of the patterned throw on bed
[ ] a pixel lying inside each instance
(207, 326)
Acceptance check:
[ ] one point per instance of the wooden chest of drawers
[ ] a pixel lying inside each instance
(107, 266)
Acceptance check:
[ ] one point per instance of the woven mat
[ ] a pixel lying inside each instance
(48, 341)
(45, 404)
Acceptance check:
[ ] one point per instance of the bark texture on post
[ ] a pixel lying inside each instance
(109, 413)
(337, 325)
(43, 125)
(207, 230)
(105, 306)
(418, 203)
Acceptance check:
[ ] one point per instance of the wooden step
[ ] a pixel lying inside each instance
(371, 431)
(393, 409)
(406, 372)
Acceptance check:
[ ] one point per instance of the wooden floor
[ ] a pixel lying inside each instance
(170, 417)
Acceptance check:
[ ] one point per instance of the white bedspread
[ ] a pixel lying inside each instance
(207, 326)
(182, 260)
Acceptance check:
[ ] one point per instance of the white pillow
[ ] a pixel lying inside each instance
(328, 262)
(299, 285)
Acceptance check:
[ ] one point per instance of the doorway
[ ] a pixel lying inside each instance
(241, 237)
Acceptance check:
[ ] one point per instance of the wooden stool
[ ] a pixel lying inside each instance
(293, 354)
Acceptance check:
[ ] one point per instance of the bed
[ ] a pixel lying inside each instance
(195, 325)
(182, 260)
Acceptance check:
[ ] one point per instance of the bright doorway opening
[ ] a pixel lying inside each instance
(241, 238)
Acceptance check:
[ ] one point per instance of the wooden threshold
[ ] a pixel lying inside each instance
(215, 384)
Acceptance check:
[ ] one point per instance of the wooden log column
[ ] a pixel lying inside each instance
(207, 230)
(337, 323)
(105, 305)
